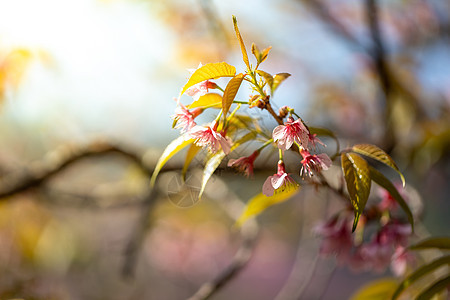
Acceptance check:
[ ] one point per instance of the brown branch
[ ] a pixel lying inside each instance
(277, 118)
(58, 160)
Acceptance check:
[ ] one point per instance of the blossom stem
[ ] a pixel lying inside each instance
(273, 113)
(220, 89)
(280, 154)
(240, 102)
(265, 145)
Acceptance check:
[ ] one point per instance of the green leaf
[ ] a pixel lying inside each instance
(192, 152)
(278, 79)
(376, 153)
(209, 71)
(230, 92)
(380, 289)
(382, 181)
(208, 100)
(267, 77)
(215, 160)
(260, 202)
(419, 273)
(173, 148)
(442, 243)
(241, 42)
(434, 289)
(357, 176)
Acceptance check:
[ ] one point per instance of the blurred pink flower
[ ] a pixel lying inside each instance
(199, 89)
(400, 261)
(184, 118)
(292, 131)
(313, 140)
(337, 239)
(357, 262)
(388, 202)
(395, 234)
(377, 255)
(280, 181)
(244, 164)
(313, 163)
(207, 136)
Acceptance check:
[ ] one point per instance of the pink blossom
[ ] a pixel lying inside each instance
(377, 254)
(244, 164)
(358, 262)
(313, 140)
(292, 131)
(388, 203)
(209, 137)
(314, 163)
(184, 119)
(337, 239)
(278, 182)
(395, 234)
(400, 261)
(199, 89)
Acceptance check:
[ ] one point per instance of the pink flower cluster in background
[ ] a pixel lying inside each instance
(385, 247)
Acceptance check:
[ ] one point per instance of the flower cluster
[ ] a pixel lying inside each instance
(383, 248)
(291, 133)
(285, 136)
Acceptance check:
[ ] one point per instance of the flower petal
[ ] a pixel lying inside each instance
(267, 188)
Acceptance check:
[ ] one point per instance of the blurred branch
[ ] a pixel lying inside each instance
(249, 233)
(378, 54)
(389, 80)
(57, 161)
(131, 252)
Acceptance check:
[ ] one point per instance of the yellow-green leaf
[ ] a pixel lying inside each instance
(378, 154)
(208, 100)
(382, 181)
(442, 243)
(260, 56)
(241, 42)
(230, 92)
(260, 202)
(278, 79)
(191, 153)
(215, 160)
(357, 176)
(381, 289)
(419, 273)
(435, 288)
(209, 71)
(267, 77)
(210, 167)
(173, 148)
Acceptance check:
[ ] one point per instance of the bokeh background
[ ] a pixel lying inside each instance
(93, 81)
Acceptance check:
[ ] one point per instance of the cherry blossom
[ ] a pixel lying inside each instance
(207, 136)
(400, 261)
(184, 118)
(337, 239)
(244, 164)
(313, 140)
(281, 181)
(292, 131)
(313, 163)
(199, 89)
